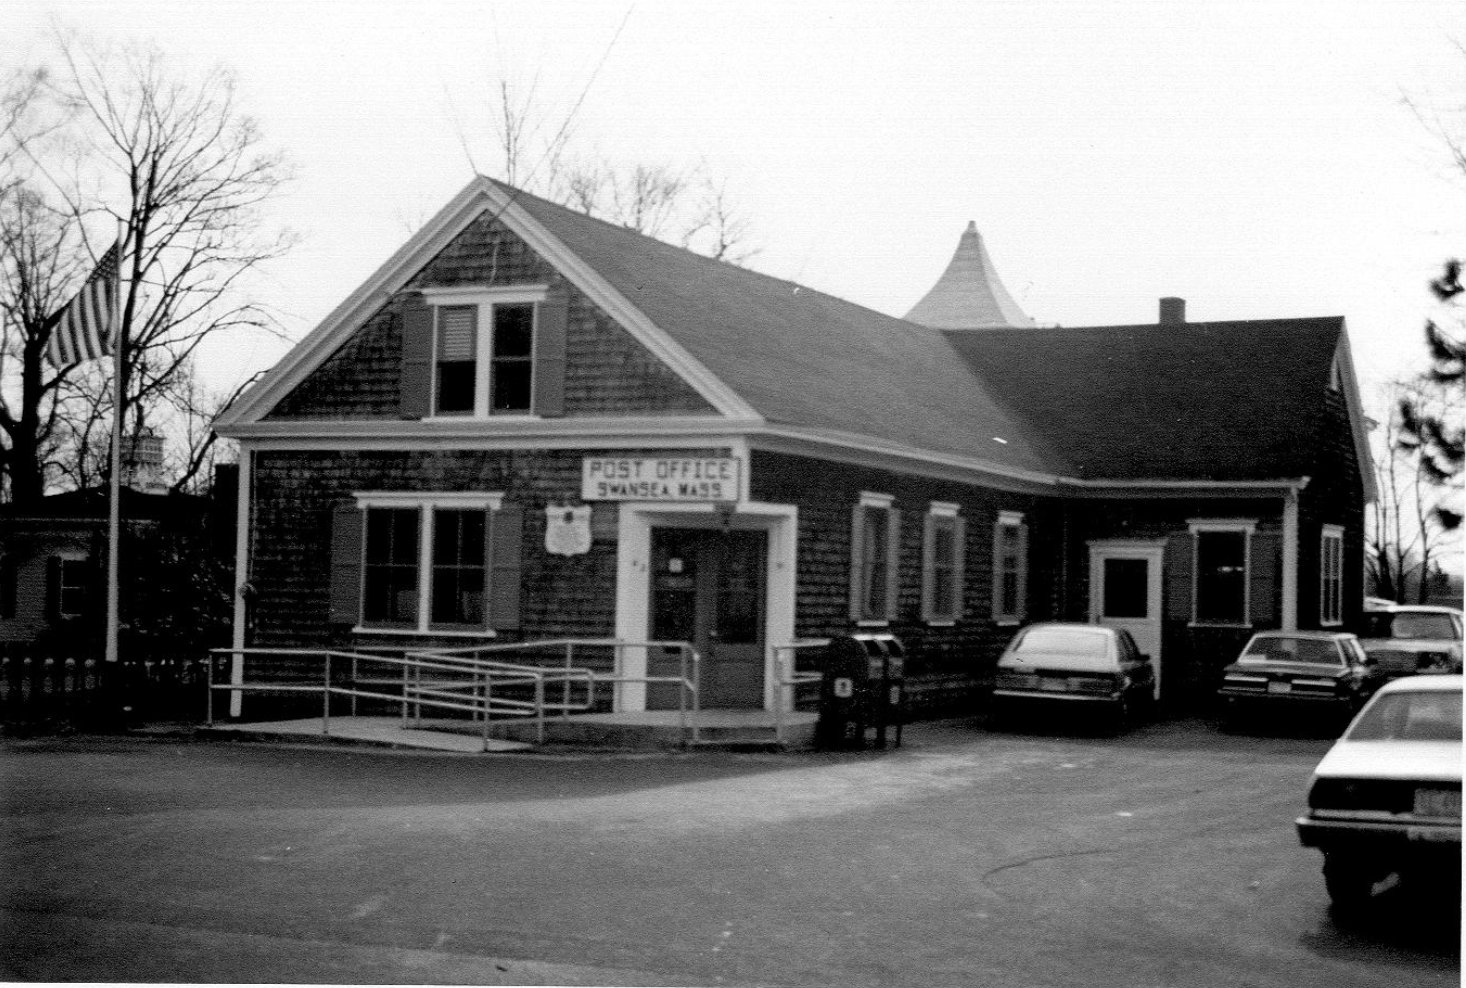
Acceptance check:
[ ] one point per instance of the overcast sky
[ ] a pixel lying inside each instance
(1253, 158)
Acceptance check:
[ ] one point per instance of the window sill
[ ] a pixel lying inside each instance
(1331, 624)
(1007, 622)
(1220, 625)
(873, 624)
(461, 417)
(942, 623)
(420, 633)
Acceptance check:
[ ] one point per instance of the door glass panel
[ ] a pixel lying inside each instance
(674, 586)
(1127, 591)
(740, 590)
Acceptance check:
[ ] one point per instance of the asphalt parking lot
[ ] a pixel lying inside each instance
(966, 857)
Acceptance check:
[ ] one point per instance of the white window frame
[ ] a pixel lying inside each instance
(64, 558)
(484, 300)
(1199, 526)
(941, 513)
(425, 505)
(1017, 521)
(868, 618)
(1331, 550)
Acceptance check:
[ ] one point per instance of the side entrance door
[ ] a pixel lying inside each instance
(1125, 592)
(707, 587)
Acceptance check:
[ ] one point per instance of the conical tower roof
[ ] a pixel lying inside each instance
(969, 294)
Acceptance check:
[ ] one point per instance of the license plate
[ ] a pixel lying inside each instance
(1438, 802)
(1277, 687)
(1053, 685)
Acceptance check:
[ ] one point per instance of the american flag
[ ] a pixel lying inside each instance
(84, 329)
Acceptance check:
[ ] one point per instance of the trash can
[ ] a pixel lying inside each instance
(862, 685)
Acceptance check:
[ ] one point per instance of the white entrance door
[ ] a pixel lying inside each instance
(1125, 592)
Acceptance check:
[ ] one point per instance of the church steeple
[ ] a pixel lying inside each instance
(969, 294)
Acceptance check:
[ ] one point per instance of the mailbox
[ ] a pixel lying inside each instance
(862, 686)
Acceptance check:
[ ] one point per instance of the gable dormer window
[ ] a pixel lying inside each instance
(476, 352)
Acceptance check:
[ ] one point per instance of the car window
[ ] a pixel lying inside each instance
(1421, 626)
(1410, 716)
(1129, 651)
(1354, 650)
(1285, 648)
(1064, 641)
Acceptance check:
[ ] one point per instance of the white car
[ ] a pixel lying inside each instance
(1386, 800)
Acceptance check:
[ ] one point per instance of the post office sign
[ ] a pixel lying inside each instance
(660, 478)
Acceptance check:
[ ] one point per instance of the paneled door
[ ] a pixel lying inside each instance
(1125, 592)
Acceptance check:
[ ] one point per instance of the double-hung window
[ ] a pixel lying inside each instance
(425, 562)
(875, 540)
(70, 585)
(942, 564)
(481, 351)
(1010, 568)
(1221, 588)
(1331, 575)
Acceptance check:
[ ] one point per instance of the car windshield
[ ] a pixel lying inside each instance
(1282, 648)
(1078, 642)
(1410, 716)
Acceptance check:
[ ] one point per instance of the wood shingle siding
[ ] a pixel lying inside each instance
(593, 368)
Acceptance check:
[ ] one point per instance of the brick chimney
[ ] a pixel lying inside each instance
(1173, 311)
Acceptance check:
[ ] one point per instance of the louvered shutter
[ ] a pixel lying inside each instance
(857, 562)
(551, 318)
(1263, 564)
(347, 529)
(53, 589)
(929, 568)
(893, 557)
(959, 568)
(506, 536)
(416, 388)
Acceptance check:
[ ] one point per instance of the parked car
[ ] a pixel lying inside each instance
(1408, 639)
(1078, 664)
(1386, 799)
(1318, 669)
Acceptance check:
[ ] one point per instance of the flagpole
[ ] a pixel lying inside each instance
(114, 494)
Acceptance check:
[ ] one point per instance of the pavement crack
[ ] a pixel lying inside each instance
(1035, 858)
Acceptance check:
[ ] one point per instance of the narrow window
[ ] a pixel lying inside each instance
(1010, 568)
(512, 363)
(1221, 576)
(942, 565)
(458, 567)
(71, 588)
(7, 587)
(873, 572)
(457, 359)
(1331, 576)
(390, 577)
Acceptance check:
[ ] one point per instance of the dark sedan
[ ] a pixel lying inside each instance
(1288, 669)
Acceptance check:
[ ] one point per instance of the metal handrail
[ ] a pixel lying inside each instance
(786, 677)
(413, 693)
(475, 692)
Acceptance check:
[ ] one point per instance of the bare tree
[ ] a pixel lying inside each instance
(1405, 536)
(185, 171)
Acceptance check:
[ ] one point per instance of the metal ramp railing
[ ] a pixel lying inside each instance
(467, 680)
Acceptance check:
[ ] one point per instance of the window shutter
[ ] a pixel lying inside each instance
(1263, 566)
(1023, 572)
(53, 589)
(893, 555)
(928, 568)
(7, 587)
(959, 568)
(551, 318)
(416, 387)
(506, 534)
(857, 562)
(1180, 572)
(347, 527)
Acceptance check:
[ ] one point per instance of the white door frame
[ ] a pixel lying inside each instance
(633, 577)
(1154, 552)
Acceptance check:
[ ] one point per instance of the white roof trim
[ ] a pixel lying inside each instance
(1344, 360)
(478, 196)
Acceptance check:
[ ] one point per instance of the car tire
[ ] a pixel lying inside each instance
(1350, 882)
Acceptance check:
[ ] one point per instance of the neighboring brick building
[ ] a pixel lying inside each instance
(762, 462)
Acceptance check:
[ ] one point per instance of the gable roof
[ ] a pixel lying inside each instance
(801, 357)
(784, 361)
(1240, 400)
(969, 294)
